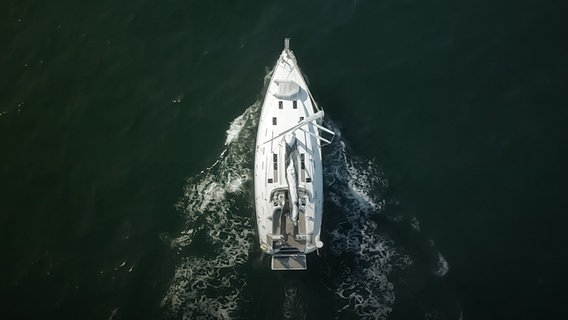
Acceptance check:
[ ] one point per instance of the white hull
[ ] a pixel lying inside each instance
(288, 179)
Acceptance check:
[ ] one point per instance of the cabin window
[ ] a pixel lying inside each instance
(295, 104)
(269, 180)
(301, 118)
(274, 121)
(308, 179)
(280, 104)
(275, 166)
(303, 167)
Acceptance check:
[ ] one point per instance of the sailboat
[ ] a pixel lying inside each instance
(288, 172)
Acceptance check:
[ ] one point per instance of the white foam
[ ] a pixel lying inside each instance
(362, 284)
(415, 224)
(209, 286)
(178, 98)
(443, 266)
(367, 256)
(235, 128)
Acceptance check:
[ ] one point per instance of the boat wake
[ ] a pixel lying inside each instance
(292, 306)
(363, 263)
(362, 257)
(208, 284)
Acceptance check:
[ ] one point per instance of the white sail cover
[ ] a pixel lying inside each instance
(292, 175)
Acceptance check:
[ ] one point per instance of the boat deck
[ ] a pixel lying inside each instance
(288, 172)
(291, 237)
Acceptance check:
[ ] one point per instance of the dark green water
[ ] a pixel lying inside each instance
(126, 134)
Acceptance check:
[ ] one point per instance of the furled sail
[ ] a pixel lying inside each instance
(292, 175)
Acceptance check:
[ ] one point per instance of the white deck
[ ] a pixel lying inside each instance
(287, 103)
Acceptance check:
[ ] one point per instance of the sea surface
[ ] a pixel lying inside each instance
(127, 134)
